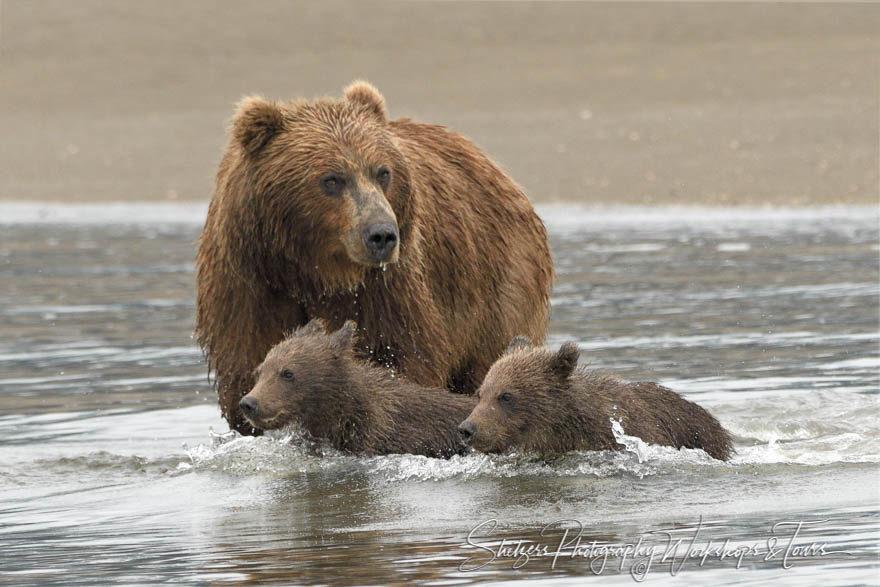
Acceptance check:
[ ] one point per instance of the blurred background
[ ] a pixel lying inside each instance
(692, 103)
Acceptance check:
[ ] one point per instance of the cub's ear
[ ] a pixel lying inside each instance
(565, 359)
(365, 94)
(519, 343)
(255, 122)
(315, 326)
(343, 339)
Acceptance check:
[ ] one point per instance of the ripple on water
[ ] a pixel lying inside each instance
(767, 318)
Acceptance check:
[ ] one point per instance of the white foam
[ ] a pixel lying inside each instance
(139, 213)
(733, 247)
(628, 248)
(767, 340)
(564, 217)
(556, 216)
(280, 452)
(860, 363)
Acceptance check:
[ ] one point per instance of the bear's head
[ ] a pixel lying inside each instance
(522, 399)
(302, 379)
(322, 183)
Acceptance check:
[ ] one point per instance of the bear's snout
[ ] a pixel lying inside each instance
(249, 406)
(467, 429)
(380, 240)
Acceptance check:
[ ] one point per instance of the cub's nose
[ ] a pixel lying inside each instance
(467, 429)
(381, 240)
(249, 406)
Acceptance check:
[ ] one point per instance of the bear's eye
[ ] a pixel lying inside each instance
(332, 183)
(287, 374)
(506, 397)
(383, 177)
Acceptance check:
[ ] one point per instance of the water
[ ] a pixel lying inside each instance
(114, 465)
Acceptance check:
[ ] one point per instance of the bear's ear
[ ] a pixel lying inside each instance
(315, 326)
(343, 339)
(565, 359)
(519, 343)
(255, 122)
(365, 94)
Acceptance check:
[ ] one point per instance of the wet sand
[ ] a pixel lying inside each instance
(706, 104)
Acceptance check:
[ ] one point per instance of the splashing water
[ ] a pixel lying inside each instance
(632, 444)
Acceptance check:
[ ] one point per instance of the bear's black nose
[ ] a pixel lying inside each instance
(249, 406)
(381, 240)
(467, 429)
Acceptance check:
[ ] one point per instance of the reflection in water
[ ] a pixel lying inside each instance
(109, 468)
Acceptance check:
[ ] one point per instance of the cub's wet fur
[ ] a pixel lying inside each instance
(314, 379)
(538, 400)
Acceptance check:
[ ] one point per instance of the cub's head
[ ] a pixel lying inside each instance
(300, 378)
(323, 182)
(521, 399)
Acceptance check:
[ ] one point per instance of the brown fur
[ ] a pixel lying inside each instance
(552, 407)
(355, 405)
(472, 268)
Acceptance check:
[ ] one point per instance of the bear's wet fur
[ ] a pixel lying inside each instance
(328, 209)
(314, 379)
(538, 400)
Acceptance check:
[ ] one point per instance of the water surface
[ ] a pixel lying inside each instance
(115, 465)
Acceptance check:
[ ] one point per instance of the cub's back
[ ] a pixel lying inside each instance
(426, 422)
(658, 415)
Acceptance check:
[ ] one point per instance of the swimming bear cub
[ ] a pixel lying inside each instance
(538, 400)
(314, 379)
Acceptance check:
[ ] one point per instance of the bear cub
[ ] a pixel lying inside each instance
(313, 378)
(537, 400)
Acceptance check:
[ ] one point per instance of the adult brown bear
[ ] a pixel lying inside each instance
(327, 209)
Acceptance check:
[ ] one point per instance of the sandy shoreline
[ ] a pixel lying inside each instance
(694, 104)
